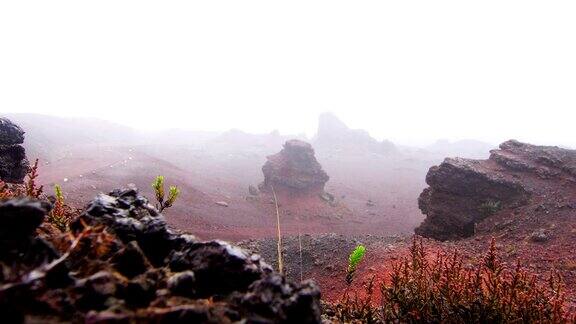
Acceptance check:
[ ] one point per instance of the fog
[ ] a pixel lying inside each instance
(411, 72)
(280, 157)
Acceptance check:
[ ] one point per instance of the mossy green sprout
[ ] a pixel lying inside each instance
(57, 215)
(173, 193)
(353, 260)
(490, 207)
(158, 186)
(59, 194)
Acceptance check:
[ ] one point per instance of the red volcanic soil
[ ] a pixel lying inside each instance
(209, 176)
(390, 183)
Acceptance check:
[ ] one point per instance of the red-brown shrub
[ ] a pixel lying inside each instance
(442, 289)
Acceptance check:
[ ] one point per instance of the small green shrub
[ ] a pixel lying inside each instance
(490, 207)
(59, 216)
(59, 194)
(173, 193)
(353, 260)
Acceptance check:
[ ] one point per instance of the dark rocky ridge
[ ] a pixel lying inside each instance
(13, 163)
(125, 265)
(294, 169)
(464, 192)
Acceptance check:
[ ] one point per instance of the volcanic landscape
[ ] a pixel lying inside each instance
(333, 191)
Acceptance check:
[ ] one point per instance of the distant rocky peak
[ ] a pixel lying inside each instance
(333, 134)
(329, 124)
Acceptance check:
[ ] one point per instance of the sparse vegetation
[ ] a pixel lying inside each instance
(353, 260)
(278, 234)
(173, 193)
(443, 289)
(32, 189)
(490, 207)
(29, 189)
(356, 309)
(59, 216)
(6, 192)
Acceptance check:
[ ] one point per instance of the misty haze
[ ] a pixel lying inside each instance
(310, 162)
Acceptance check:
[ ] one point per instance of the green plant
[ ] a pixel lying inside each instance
(59, 194)
(490, 207)
(59, 216)
(353, 260)
(173, 193)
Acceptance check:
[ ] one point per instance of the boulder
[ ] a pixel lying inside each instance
(221, 203)
(10, 133)
(464, 192)
(276, 296)
(294, 169)
(19, 218)
(13, 162)
(219, 267)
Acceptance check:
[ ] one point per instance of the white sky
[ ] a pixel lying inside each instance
(411, 71)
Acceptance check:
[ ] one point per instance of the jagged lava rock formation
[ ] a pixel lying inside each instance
(333, 134)
(295, 170)
(13, 163)
(124, 265)
(516, 177)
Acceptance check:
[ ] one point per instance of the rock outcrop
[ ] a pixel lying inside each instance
(464, 192)
(13, 163)
(294, 169)
(123, 264)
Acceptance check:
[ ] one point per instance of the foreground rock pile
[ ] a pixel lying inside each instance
(294, 169)
(516, 177)
(121, 263)
(13, 163)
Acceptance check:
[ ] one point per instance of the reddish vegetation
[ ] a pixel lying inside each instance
(443, 288)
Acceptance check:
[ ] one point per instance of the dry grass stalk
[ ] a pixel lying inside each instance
(278, 234)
